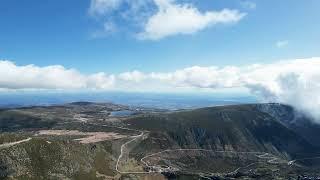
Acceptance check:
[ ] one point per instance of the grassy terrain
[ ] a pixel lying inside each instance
(12, 137)
(39, 159)
(57, 157)
(11, 120)
(238, 128)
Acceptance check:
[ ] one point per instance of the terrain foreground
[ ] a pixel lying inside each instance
(106, 141)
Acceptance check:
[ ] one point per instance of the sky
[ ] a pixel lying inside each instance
(72, 34)
(266, 48)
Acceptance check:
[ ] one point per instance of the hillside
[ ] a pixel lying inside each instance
(236, 128)
(85, 141)
(297, 121)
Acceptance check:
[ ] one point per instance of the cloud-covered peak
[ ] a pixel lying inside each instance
(294, 82)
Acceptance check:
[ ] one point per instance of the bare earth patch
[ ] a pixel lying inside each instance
(91, 137)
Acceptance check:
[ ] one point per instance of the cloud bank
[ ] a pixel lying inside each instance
(294, 82)
(158, 19)
(50, 77)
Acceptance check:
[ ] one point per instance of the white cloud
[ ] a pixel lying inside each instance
(172, 19)
(294, 82)
(157, 19)
(49, 77)
(201, 77)
(281, 44)
(135, 76)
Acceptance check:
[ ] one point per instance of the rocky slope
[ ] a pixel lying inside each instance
(297, 121)
(236, 128)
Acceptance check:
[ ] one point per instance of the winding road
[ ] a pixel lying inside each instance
(122, 149)
(271, 158)
(156, 169)
(123, 146)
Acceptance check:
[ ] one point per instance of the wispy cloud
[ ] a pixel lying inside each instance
(101, 7)
(249, 4)
(282, 44)
(109, 28)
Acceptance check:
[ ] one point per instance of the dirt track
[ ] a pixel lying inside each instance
(7, 145)
(91, 137)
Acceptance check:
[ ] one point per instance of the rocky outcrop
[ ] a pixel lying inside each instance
(294, 120)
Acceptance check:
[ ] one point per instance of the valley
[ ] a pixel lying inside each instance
(84, 141)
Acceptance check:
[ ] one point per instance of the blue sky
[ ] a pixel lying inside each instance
(50, 32)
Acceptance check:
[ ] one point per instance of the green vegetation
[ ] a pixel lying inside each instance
(40, 159)
(11, 137)
(12, 120)
(236, 129)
